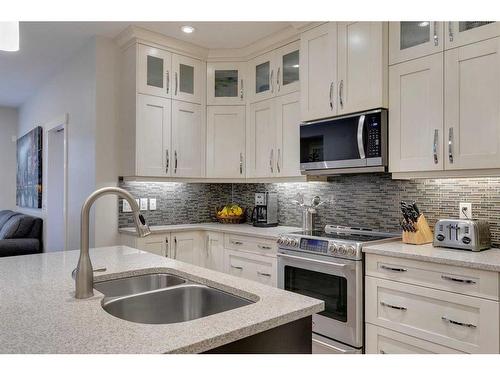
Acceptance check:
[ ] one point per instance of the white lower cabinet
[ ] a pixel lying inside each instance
(251, 266)
(187, 247)
(154, 243)
(213, 256)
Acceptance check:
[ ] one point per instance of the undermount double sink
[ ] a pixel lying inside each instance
(163, 298)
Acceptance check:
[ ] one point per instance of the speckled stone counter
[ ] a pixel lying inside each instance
(243, 229)
(39, 314)
(488, 260)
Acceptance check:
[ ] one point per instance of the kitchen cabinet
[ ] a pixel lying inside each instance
(226, 141)
(472, 106)
(226, 83)
(153, 71)
(188, 140)
(262, 77)
(187, 247)
(459, 33)
(251, 266)
(214, 251)
(288, 69)
(153, 135)
(188, 79)
(411, 40)
(362, 66)
(318, 72)
(416, 111)
(155, 243)
(287, 110)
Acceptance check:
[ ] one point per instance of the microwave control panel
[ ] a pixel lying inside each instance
(373, 129)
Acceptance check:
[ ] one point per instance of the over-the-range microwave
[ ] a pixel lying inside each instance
(354, 143)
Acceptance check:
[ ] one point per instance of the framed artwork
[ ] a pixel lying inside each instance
(29, 169)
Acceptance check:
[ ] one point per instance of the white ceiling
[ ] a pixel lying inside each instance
(44, 46)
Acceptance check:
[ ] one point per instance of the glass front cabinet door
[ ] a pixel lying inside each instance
(154, 71)
(225, 83)
(287, 73)
(188, 79)
(466, 32)
(262, 77)
(411, 40)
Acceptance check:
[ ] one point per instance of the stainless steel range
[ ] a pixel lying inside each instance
(328, 265)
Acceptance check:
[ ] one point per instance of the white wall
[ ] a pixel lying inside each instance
(8, 129)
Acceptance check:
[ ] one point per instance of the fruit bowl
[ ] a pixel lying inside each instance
(230, 214)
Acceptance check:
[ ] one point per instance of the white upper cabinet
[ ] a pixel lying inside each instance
(153, 71)
(411, 40)
(226, 141)
(318, 72)
(362, 66)
(262, 74)
(288, 67)
(153, 135)
(287, 110)
(188, 79)
(226, 83)
(188, 140)
(416, 115)
(472, 106)
(466, 32)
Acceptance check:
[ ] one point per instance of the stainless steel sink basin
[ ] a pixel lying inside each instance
(137, 284)
(173, 305)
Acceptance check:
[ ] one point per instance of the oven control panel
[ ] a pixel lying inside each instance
(320, 246)
(317, 246)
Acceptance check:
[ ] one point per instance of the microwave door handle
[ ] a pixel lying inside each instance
(361, 147)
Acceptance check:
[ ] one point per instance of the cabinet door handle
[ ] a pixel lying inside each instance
(331, 96)
(436, 37)
(271, 77)
(402, 308)
(271, 161)
(451, 321)
(278, 161)
(166, 247)
(278, 79)
(457, 279)
(167, 161)
(341, 93)
(175, 161)
(176, 83)
(450, 31)
(264, 247)
(237, 267)
(168, 81)
(241, 162)
(450, 145)
(237, 243)
(241, 90)
(263, 274)
(435, 145)
(394, 269)
(175, 247)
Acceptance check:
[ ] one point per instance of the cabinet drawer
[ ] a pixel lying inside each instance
(251, 266)
(460, 322)
(384, 341)
(461, 280)
(253, 244)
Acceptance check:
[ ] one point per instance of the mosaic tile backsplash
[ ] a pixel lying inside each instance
(370, 200)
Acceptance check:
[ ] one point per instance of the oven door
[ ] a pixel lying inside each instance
(338, 282)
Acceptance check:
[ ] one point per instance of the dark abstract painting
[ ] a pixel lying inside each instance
(29, 169)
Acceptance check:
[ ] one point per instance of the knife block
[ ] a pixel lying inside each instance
(423, 234)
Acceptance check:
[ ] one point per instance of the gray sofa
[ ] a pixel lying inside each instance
(20, 234)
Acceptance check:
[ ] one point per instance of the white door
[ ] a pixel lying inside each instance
(188, 79)
(416, 111)
(226, 141)
(411, 40)
(214, 256)
(153, 134)
(318, 72)
(288, 135)
(188, 140)
(187, 247)
(262, 74)
(362, 66)
(261, 139)
(154, 71)
(472, 111)
(226, 83)
(466, 32)
(288, 67)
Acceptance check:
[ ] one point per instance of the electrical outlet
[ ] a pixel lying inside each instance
(152, 204)
(465, 210)
(143, 204)
(126, 206)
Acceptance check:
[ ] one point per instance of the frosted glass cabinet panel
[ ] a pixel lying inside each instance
(225, 83)
(262, 77)
(153, 75)
(411, 40)
(288, 67)
(188, 79)
(262, 74)
(466, 32)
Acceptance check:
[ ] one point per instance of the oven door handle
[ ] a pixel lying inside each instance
(286, 256)
(361, 126)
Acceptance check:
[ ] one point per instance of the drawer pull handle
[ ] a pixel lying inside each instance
(382, 351)
(395, 269)
(382, 303)
(263, 274)
(237, 243)
(264, 247)
(456, 279)
(237, 267)
(468, 325)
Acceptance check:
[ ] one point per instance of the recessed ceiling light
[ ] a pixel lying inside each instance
(295, 66)
(187, 29)
(9, 36)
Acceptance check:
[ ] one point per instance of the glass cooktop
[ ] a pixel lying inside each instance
(358, 237)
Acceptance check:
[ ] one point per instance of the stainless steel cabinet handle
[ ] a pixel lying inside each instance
(331, 96)
(263, 274)
(271, 161)
(175, 247)
(278, 161)
(168, 81)
(241, 90)
(241, 162)
(272, 81)
(278, 79)
(458, 280)
(237, 243)
(341, 93)
(382, 351)
(176, 83)
(264, 247)
(167, 161)
(393, 306)
(450, 145)
(395, 269)
(450, 31)
(166, 246)
(175, 161)
(237, 267)
(435, 145)
(451, 321)
(436, 38)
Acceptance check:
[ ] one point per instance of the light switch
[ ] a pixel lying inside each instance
(126, 206)
(143, 204)
(152, 204)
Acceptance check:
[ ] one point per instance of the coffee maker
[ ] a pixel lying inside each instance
(265, 212)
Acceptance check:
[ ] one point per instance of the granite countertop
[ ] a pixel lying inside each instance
(40, 315)
(244, 229)
(488, 260)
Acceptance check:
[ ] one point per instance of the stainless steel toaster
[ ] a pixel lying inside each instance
(463, 234)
